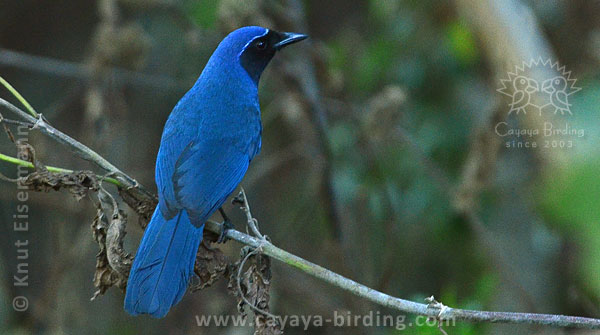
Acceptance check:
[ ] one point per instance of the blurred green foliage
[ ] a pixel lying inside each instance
(202, 13)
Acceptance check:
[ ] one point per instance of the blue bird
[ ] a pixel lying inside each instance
(208, 142)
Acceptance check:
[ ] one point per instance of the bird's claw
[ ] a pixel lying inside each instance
(225, 226)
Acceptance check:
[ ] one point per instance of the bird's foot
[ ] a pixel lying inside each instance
(225, 226)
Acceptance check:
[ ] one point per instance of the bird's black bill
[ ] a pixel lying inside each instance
(288, 38)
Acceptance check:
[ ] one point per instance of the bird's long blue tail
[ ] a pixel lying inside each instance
(163, 265)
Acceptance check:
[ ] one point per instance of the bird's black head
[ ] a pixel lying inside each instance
(260, 47)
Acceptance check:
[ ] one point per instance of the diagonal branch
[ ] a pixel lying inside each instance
(403, 305)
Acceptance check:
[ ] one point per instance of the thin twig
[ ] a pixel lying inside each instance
(253, 224)
(251, 221)
(19, 97)
(82, 151)
(27, 164)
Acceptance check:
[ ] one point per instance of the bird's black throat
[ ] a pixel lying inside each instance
(255, 57)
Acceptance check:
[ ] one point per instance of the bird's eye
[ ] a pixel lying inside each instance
(261, 45)
(557, 81)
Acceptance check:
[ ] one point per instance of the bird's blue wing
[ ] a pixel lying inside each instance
(176, 137)
(206, 173)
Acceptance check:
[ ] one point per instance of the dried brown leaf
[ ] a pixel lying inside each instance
(78, 183)
(112, 263)
(255, 284)
(211, 265)
(143, 208)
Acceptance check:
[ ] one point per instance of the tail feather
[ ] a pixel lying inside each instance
(163, 265)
